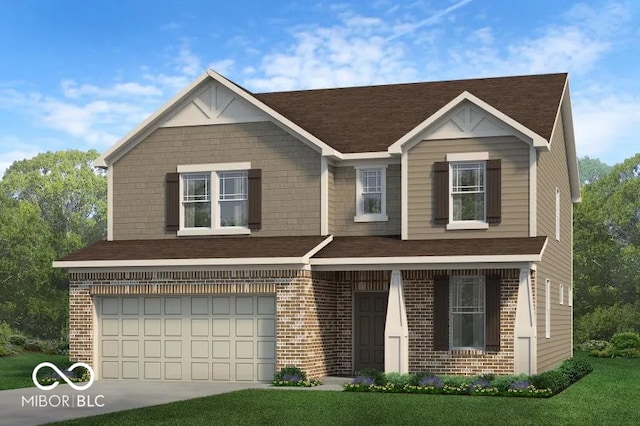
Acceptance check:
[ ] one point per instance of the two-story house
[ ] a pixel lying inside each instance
(405, 227)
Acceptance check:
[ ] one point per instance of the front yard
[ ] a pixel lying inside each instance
(15, 371)
(606, 396)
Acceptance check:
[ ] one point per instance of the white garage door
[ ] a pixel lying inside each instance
(224, 338)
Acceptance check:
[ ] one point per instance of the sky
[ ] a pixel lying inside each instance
(77, 74)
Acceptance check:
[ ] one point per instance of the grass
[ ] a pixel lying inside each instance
(606, 396)
(15, 371)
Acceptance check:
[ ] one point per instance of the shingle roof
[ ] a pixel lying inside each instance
(371, 118)
(197, 248)
(274, 247)
(393, 246)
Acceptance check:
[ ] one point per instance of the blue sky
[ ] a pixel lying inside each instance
(81, 74)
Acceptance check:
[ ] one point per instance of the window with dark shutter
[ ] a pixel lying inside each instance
(255, 199)
(441, 313)
(494, 191)
(441, 193)
(172, 201)
(492, 313)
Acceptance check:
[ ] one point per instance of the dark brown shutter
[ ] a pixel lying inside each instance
(255, 198)
(441, 193)
(492, 313)
(494, 191)
(441, 313)
(172, 202)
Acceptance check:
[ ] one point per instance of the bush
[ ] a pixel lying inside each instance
(291, 374)
(554, 380)
(575, 369)
(17, 339)
(622, 341)
(33, 345)
(50, 347)
(604, 322)
(378, 377)
(398, 380)
(591, 345)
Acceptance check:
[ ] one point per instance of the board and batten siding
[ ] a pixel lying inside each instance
(515, 186)
(290, 176)
(342, 204)
(556, 260)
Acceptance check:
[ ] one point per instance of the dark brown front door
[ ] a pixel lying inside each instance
(370, 315)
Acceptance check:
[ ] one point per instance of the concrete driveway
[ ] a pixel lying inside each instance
(32, 406)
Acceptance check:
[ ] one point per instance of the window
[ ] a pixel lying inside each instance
(467, 312)
(547, 309)
(371, 198)
(214, 199)
(467, 191)
(570, 296)
(561, 294)
(557, 214)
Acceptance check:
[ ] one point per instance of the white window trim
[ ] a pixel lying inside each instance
(213, 170)
(377, 217)
(484, 285)
(562, 294)
(547, 309)
(557, 214)
(466, 224)
(570, 296)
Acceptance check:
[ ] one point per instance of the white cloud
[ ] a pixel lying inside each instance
(71, 89)
(18, 151)
(187, 63)
(224, 67)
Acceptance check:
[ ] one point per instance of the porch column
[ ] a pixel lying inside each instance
(525, 327)
(396, 331)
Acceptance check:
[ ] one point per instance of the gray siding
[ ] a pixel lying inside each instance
(342, 204)
(556, 261)
(515, 186)
(290, 176)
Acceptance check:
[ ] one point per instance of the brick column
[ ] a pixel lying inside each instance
(80, 322)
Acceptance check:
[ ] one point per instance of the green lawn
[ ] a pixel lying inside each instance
(15, 371)
(609, 395)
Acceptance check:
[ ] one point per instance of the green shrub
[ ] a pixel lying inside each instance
(591, 345)
(377, 376)
(49, 347)
(502, 383)
(33, 345)
(604, 353)
(5, 332)
(415, 378)
(398, 380)
(604, 322)
(290, 374)
(554, 380)
(575, 369)
(621, 341)
(17, 339)
(456, 381)
(3, 350)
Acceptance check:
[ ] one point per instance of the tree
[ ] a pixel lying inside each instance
(50, 205)
(592, 169)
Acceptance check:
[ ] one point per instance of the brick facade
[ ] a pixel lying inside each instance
(314, 313)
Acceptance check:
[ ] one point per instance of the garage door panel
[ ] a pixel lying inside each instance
(152, 370)
(130, 306)
(130, 327)
(221, 349)
(227, 338)
(130, 348)
(199, 371)
(221, 371)
(152, 348)
(173, 327)
(221, 305)
(199, 306)
(199, 349)
(173, 306)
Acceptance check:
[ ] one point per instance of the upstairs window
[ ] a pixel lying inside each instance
(371, 197)
(213, 199)
(468, 192)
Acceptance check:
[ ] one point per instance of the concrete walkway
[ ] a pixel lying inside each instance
(31, 406)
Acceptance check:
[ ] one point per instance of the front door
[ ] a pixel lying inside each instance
(370, 316)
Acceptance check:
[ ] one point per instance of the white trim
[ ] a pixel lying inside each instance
(367, 163)
(227, 230)
(396, 329)
(468, 156)
(213, 167)
(533, 192)
(371, 217)
(364, 155)
(407, 141)
(561, 294)
(420, 266)
(570, 299)
(180, 262)
(324, 196)
(404, 195)
(317, 248)
(110, 204)
(426, 259)
(189, 268)
(524, 328)
(467, 224)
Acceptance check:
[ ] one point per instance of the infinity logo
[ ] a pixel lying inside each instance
(62, 376)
